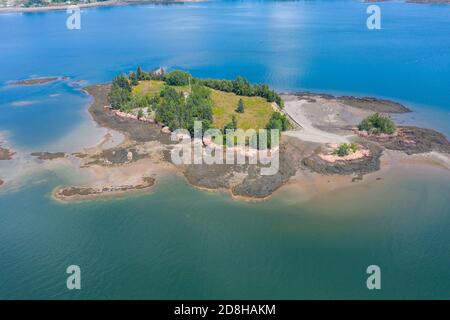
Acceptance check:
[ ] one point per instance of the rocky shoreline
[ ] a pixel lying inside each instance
(362, 166)
(414, 140)
(82, 193)
(146, 141)
(363, 103)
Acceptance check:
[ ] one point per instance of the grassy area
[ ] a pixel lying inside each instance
(151, 87)
(256, 115)
(257, 110)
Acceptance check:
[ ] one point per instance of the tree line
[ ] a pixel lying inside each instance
(177, 110)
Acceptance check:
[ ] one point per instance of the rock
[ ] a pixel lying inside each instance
(367, 164)
(48, 155)
(412, 140)
(165, 130)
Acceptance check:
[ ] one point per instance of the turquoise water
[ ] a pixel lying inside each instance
(178, 242)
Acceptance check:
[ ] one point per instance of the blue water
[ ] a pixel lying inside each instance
(182, 243)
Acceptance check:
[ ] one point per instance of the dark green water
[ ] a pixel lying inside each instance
(146, 246)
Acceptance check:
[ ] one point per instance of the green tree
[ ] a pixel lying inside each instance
(242, 87)
(177, 78)
(232, 125)
(344, 149)
(120, 93)
(139, 73)
(377, 123)
(240, 106)
(278, 121)
(133, 79)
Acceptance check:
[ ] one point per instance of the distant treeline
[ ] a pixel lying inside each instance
(44, 3)
(239, 86)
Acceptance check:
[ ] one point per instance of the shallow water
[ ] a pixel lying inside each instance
(179, 242)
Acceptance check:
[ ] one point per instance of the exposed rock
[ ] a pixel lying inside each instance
(118, 155)
(136, 130)
(48, 155)
(360, 166)
(165, 130)
(412, 140)
(68, 193)
(364, 103)
(374, 104)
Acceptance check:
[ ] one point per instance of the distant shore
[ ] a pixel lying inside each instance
(416, 1)
(107, 3)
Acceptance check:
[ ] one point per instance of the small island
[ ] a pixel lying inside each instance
(318, 133)
(37, 81)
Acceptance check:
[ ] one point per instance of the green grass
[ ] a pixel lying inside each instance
(256, 115)
(151, 87)
(257, 110)
(154, 87)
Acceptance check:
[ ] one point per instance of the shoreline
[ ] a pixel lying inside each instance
(113, 3)
(231, 179)
(108, 3)
(145, 151)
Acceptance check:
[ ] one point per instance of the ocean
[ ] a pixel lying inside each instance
(177, 242)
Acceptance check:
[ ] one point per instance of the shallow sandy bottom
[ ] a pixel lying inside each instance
(309, 186)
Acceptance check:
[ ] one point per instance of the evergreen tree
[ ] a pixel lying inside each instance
(240, 106)
(139, 73)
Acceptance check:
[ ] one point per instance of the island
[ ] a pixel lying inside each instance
(320, 135)
(36, 81)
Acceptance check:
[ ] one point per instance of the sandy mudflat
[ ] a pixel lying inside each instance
(6, 154)
(303, 113)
